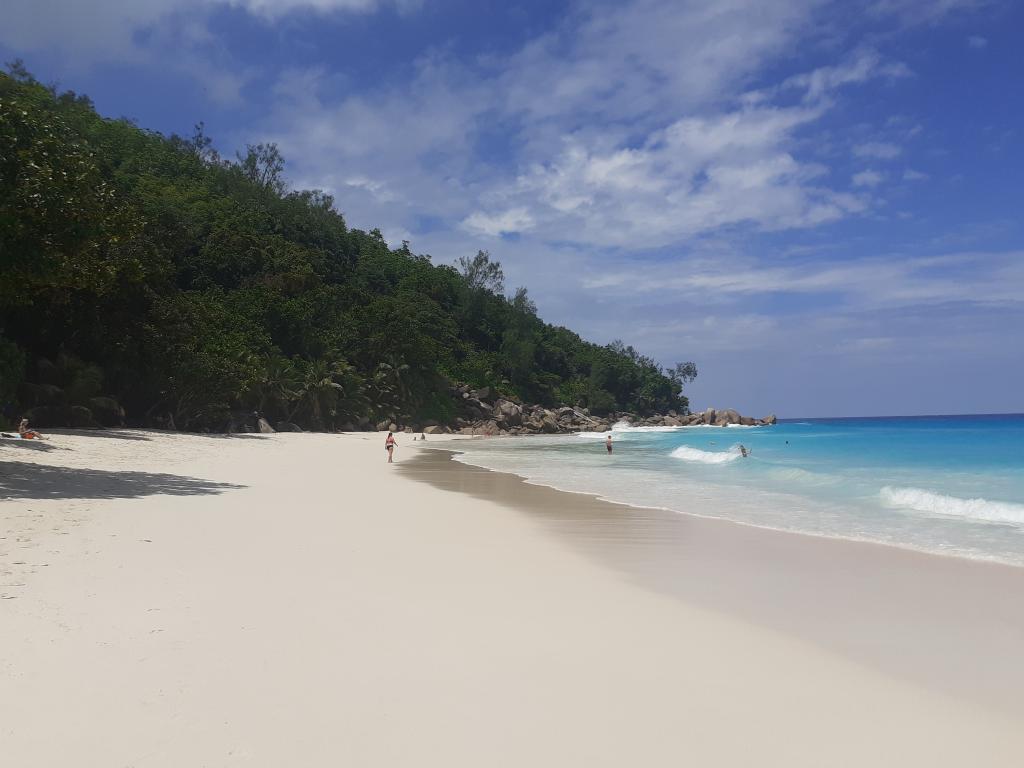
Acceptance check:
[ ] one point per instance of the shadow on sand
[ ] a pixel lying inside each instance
(116, 434)
(36, 481)
(134, 434)
(27, 445)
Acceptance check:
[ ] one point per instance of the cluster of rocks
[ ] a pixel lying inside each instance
(710, 417)
(483, 412)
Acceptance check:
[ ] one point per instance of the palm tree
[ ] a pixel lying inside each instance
(279, 383)
(329, 388)
(391, 383)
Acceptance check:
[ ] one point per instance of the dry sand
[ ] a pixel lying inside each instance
(292, 600)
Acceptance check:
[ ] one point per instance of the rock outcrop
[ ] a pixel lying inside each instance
(483, 412)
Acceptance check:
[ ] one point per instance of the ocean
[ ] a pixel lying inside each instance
(951, 485)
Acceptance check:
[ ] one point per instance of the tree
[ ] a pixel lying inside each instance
(63, 225)
(482, 274)
(278, 385)
(330, 390)
(683, 373)
(187, 286)
(391, 384)
(202, 145)
(522, 305)
(263, 165)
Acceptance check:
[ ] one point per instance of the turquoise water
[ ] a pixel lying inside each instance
(944, 484)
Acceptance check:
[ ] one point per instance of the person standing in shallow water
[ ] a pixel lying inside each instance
(389, 446)
(608, 443)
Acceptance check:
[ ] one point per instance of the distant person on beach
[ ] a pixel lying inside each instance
(27, 433)
(608, 443)
(423, 435)
(389, 446)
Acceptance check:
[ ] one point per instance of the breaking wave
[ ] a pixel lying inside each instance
(686, 453)
(625, 426)
(936, 503)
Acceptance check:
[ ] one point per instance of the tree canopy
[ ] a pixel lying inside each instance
(146, 273)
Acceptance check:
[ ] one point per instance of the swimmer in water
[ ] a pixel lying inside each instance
(608, 443)
(743, 450)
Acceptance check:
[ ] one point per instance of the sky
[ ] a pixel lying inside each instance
(816, 201)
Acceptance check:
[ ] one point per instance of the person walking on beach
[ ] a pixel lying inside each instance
(389, 446)
(608, 443)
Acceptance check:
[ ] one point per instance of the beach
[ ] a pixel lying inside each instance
(292, 599)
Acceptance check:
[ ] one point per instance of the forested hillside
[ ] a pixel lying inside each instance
(149, 280)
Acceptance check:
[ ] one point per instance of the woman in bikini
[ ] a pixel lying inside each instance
(389, 446)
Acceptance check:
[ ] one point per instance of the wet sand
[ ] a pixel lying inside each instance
(950, 624)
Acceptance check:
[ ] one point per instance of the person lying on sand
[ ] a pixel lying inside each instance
(27, 433)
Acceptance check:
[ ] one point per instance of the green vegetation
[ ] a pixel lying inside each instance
(147, 278)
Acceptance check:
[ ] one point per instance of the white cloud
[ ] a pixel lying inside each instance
(513, 220)
(275, 9)
(629, 60)
(170, 34)
(378, 189)
(911, 175)
(977, 41)
(694, 176)
(864, 66)
(105, 29)
(867, 178)
(880, 150)
(925, 11)
(870, 282)
(626, 130)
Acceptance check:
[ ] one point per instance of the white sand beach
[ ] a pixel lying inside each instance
(292, 600)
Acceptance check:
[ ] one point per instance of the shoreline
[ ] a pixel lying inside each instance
(993, 560)
(944, 604)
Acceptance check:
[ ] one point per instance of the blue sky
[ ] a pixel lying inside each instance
(818, 202)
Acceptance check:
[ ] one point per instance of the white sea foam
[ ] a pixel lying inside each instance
(937, 503)
(622, 429)
(686, 453)
(803, 476)
(625, 426)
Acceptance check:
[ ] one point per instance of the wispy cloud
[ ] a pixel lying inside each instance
(880, 150)
(171, 34)
(512, 220)
(867, 178)
(891, 280)
(925, 11)
(108, 29)
(625, 134)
